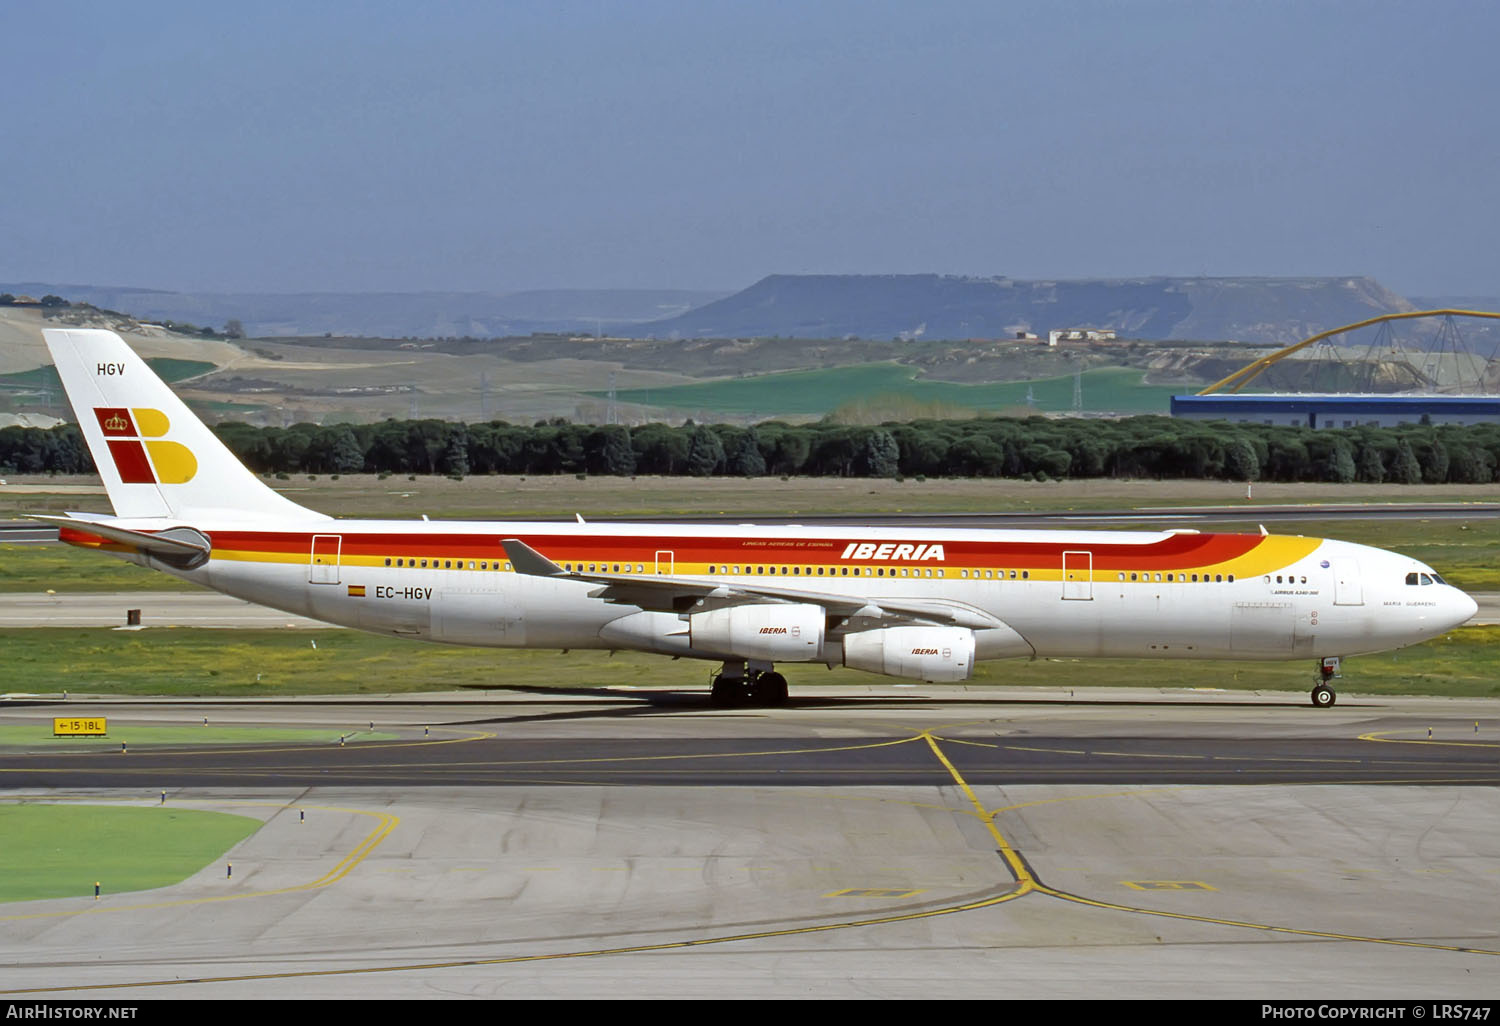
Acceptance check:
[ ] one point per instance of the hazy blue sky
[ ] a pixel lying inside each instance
(495, 146)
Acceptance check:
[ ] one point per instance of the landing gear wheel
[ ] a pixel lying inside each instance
(1323, 696)
(770, 689)
(729, 690)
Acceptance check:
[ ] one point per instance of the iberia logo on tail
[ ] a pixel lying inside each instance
(141, 454)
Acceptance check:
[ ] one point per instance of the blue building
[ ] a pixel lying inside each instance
(1339, 411)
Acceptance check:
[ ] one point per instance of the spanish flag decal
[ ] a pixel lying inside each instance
(357, 590)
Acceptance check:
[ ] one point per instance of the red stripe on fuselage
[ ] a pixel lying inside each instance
(1170, 553)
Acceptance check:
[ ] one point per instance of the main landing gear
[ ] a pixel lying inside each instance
(1322, 693)
(737, 684)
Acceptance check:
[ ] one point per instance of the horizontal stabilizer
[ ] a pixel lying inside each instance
(181, 547)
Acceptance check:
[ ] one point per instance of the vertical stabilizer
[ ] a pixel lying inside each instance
(156, 458)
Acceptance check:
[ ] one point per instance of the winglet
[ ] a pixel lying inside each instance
(528, 560)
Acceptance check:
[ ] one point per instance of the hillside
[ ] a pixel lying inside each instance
(1265, 310)
(386, 314)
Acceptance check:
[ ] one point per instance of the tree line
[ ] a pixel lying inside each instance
(1035, 448)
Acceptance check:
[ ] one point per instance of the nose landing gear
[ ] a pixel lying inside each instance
(1322, 693)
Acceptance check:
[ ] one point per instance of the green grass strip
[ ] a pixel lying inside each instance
(59, 851)
(189, 662)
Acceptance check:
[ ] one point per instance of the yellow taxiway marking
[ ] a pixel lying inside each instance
(1013, 860)
(345, 866)
(1381, 735)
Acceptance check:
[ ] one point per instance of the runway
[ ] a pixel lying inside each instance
(914, 843)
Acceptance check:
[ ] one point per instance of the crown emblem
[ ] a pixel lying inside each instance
(116, 423)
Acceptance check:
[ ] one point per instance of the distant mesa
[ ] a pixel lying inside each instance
(931, 306)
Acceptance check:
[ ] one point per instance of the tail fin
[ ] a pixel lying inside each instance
(156, 458)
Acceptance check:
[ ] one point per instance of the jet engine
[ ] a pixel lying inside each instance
(770, 631)
(932, 654)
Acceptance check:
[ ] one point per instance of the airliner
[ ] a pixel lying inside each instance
(916, 603)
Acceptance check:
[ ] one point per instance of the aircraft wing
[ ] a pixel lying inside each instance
(681, 594)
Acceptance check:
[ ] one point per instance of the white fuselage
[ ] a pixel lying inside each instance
(1053, 593)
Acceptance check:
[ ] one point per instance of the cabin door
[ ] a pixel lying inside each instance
(1078, 575)
(323, 564)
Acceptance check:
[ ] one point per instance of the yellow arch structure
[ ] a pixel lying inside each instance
(1242, 377)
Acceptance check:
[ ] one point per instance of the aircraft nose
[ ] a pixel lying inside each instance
(1464, 607)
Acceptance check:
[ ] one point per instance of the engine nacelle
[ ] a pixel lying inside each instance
(932, 654)
(771, 631)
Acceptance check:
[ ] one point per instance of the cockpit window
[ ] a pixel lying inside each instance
(1438, 577)
(1411, 578)
(1426, 579)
